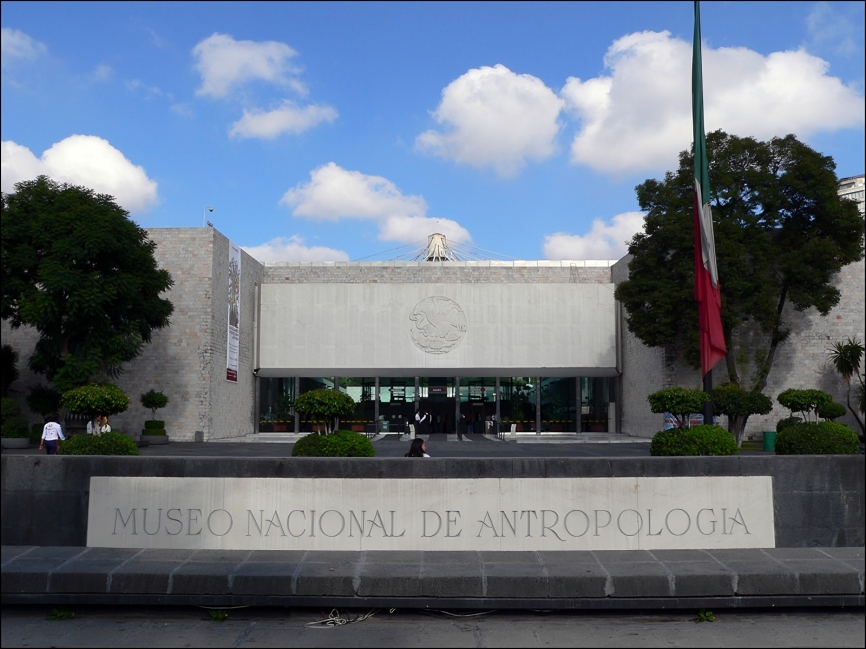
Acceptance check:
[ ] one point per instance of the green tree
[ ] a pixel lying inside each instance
(782, 234)
(679, 402)
(324, 405)
(8, 368)
(154, 400)
(95, 399)
(738, 404)
(78, 270)
(847, 360)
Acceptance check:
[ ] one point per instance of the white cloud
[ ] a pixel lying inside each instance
(334, 193)
(81, 160)
(15, 44)
(293, 249)
(289, 118)
(495, 118)
(604, 241)
(829, 27)
(225, 64)
(102, 72)
(638, 117)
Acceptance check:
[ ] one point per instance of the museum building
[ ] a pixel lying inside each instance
(482, 346)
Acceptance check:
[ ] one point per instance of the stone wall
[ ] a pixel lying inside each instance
(800, 362)
(451, 272)
(818, 500)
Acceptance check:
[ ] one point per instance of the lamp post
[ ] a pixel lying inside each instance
(204, 212)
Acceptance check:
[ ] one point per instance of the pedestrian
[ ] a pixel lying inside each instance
(418, 448)
(421, 422)
(103, 425)
(52, 433)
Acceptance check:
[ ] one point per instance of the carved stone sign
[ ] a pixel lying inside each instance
(438, 324)
(432, 514)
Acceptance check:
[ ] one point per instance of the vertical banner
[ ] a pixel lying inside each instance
(233, 346)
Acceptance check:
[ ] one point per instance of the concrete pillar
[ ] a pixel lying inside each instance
(297, 394)
(538, 405)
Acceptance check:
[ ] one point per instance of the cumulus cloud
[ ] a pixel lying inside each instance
(293, 249)
(225, 64)
(81, 160)
(289, 118)
(496, 118)
(15, 44)
(334, 193)
(604, 241)
(638, 115)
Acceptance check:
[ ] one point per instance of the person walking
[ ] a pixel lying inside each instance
(418, 448)
(52, 433)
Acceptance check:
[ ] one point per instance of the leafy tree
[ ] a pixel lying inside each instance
(679, 402)
(8, 368)
(95, 399)
(738, 404)
(154, 401)
(847, 359)
(782, 234)
(805, 402)
(43, 400)
(324, 404)
(78, 270)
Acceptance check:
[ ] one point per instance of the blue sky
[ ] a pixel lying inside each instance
(340, 131)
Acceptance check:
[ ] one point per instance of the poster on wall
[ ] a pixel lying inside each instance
(233, 346)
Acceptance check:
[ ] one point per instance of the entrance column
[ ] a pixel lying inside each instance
(376, 409)
(538, 405)
(498, 422)
(457, 405)
(297, 394)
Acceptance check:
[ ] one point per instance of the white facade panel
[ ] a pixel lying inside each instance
(437, 329)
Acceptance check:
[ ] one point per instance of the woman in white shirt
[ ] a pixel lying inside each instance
(52, 433)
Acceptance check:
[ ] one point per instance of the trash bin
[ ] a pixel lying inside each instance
(769, 441)
(384, 425)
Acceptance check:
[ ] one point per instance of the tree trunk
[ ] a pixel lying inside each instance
(737, 425)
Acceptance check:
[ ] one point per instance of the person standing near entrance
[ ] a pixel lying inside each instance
(420, 422)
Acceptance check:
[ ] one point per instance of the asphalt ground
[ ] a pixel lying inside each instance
(107, 626)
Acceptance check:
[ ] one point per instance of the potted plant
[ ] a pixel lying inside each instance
(14, 430)
(154, 429)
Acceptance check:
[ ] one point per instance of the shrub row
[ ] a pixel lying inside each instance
(817, 438)
(112, 443)
(704, 439)
(343, 443)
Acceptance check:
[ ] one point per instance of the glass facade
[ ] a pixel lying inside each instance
(455, 404)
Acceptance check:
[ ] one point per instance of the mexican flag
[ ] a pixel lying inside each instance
(707, 291)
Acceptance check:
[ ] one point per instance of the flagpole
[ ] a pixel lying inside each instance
(707, 290)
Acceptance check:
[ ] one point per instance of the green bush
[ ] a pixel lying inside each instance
(817, 438)
(95, 399)
(12, 422)
(705, 439)
(106, 444)
(323, 405)
(679, 402)
(154, 431)
(787, 422)
(831, 410)
(154, 423)
(804, 401)
(153, 401)
(15, 426)
(343, 443)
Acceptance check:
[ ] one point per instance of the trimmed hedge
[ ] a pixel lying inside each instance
(817, 438)
(787, 422)
(154, 423)
(12, 422)
(153, 431)
(704, 439)
(105, 444)
(343, 443)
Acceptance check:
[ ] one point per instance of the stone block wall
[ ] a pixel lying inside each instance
(800, 362)
(451, 272)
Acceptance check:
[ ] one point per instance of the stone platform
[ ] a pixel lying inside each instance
(659, 579)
